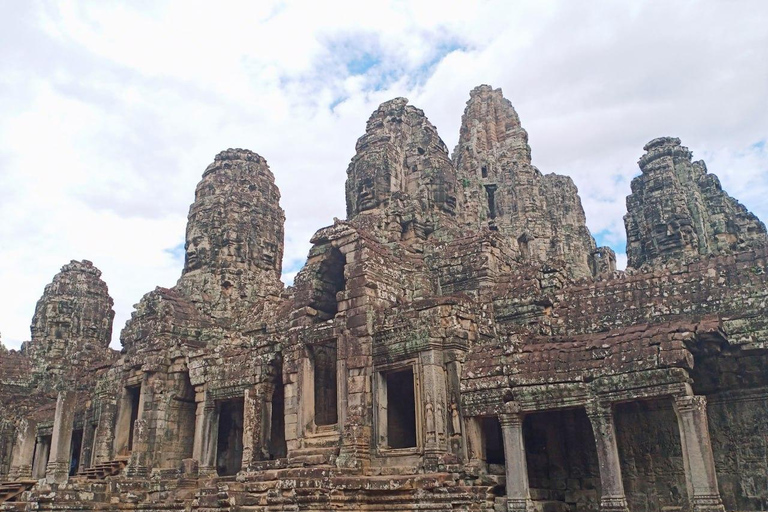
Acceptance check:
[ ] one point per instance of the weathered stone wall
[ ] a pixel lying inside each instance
(651, 456)
(738, 424)
(732, 287)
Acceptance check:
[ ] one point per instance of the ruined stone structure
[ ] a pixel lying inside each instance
(457, 343)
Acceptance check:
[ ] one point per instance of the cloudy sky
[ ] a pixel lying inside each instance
(109, 113)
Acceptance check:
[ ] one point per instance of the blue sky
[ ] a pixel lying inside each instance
(111, 112)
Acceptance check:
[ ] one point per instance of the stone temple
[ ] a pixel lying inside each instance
(459, 342)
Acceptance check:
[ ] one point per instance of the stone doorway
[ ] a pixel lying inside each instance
(229, 444)
(75, 450)
(276, 444)
(127, 414)
(563, 469)
(324, 359)
(492, 444)
(651, 455)
(401, 409)
(40, 458)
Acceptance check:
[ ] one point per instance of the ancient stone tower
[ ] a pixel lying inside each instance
(502, 190)
(72, 320)
(457, 343)
(679, 211)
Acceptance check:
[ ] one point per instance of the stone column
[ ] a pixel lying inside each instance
(24, 450)
(518, 491)
(61, 440)
(105, 432)
(138, 461)
(613, 497)
(204, 444)
(699, 463)
(254, 423)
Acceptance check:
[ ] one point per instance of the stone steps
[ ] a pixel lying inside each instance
(10, 491)
(102, 470)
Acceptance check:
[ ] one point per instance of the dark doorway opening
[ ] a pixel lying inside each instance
(330, 281)
(277, 447)
(229, 445)
(134, 394)
(561, 457)
(492, 440)
(74, 452)
(490, 190)
(401, 409)
(326, 407)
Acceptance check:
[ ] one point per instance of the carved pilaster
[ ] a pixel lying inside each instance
(518, 491)
(613, 497)
(61, 440)
(138, 463)
(23, 451)
(699, 463)
(206, 435)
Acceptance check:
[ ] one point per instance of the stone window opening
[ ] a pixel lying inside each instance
(396, 409)
(229, 441)
(329, 282)
(484, 171)
(74, 452)
(490, 190)
(324, 380)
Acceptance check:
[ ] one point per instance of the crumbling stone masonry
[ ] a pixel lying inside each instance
(457, 343)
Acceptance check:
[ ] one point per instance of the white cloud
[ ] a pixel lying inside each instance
(111, 112)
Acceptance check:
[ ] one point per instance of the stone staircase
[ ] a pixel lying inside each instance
(104, 469)
(10, 491)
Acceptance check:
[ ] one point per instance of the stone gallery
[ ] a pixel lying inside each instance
(459, 342)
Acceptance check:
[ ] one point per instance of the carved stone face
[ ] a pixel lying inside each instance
(373, 182)
(366, 195)
(197, 249)
(444, 191)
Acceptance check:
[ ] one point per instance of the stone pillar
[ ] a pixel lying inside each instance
(206, 432)
(699, 463)
(613, 497)
(24, 450)
(61, 440)
(254, 423)
(435, 405)
(518, 492)
(138, 461)
(105, 432)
